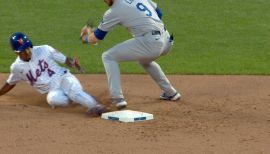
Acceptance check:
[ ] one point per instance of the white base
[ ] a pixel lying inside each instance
(127, 116)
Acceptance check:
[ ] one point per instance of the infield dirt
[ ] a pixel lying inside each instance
(217, 115)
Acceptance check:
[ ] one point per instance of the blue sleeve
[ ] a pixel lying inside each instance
(100, 34)
(159, 13)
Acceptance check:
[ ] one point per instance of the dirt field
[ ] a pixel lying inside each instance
(217, 115)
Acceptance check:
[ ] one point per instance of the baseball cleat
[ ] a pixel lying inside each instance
(174, 97)
(120, 103)
(96, 111)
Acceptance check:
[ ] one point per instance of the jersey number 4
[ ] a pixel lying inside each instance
(142, 7)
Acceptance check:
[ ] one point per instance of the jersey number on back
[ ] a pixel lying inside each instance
(142, 7)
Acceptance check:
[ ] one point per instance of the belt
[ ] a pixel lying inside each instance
(156, 32)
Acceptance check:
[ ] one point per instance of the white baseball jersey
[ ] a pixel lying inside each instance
(139, 16)
(42, 71)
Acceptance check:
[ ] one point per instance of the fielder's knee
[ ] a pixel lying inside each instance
(145, 64)
(106, 56)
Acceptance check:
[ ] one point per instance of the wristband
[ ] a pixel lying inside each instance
(86, 39)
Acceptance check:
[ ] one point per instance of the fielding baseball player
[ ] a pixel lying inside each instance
(151, 40)
(38, 66)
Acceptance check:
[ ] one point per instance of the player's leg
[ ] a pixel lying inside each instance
(146, 48)
(57, 97)
(130, 50)
(155, 71)
(113, 75)
(73, 89)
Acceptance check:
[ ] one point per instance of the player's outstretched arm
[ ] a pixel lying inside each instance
(6, 88)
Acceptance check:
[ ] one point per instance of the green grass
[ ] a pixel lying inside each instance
(211, 36)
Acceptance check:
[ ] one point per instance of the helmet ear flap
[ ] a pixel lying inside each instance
(19, 42)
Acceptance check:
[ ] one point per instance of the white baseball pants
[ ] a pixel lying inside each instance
(68, 89)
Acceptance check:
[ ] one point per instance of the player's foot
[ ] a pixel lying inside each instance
(120, 103)
(174, 97)
(96, 111)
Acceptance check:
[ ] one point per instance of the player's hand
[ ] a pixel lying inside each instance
(87, 35)
(77, 65)
(85, 31)
(74, 63)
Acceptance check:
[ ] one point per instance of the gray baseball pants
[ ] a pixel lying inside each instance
(145, 50)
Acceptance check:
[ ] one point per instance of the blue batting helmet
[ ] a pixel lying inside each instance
(19, 42)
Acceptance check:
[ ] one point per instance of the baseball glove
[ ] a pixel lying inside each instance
(87, 29)
(74, 63)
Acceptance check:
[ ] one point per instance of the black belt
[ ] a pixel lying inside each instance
(156, 32)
